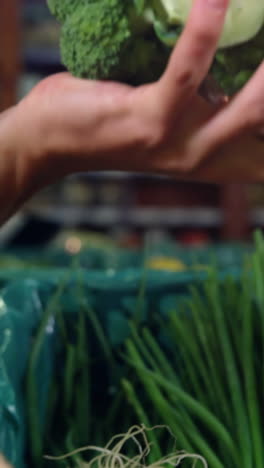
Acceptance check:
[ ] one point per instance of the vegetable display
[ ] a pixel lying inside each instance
(131, 40)
(209, 374)
(196, 367)
(140, 437)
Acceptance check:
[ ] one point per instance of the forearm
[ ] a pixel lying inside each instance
(14, 170)
(35, 152)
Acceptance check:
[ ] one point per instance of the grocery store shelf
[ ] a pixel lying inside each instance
(117, 176)
(41, 58)
(105, 216)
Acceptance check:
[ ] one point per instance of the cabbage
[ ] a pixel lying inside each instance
(243, 22)
(241, 45)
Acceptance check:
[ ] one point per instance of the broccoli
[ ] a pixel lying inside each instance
(62, 8)
(131, 40)
(108, 39)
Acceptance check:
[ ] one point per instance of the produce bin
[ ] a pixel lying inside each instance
(34, 296)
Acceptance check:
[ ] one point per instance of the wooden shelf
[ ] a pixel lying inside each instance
(9, 52)
(137, 217)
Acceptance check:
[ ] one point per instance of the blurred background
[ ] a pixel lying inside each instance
(122, 208)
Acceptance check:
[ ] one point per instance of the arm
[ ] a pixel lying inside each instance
(68, 125)
(13, 186)
(33, 157)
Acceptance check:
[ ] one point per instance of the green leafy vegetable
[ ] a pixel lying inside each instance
(210, 373)
(197, 370)
(131, 40)
(109, 39)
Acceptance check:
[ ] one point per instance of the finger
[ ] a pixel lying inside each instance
(193, 55)
(245, 113)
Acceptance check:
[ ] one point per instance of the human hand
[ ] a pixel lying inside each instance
(69, 125)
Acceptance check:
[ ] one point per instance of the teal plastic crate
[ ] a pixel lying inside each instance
(114, 284)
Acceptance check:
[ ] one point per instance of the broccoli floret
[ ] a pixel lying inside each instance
(94, 38)
(108, 39)
(144, 61)
(62, 8)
